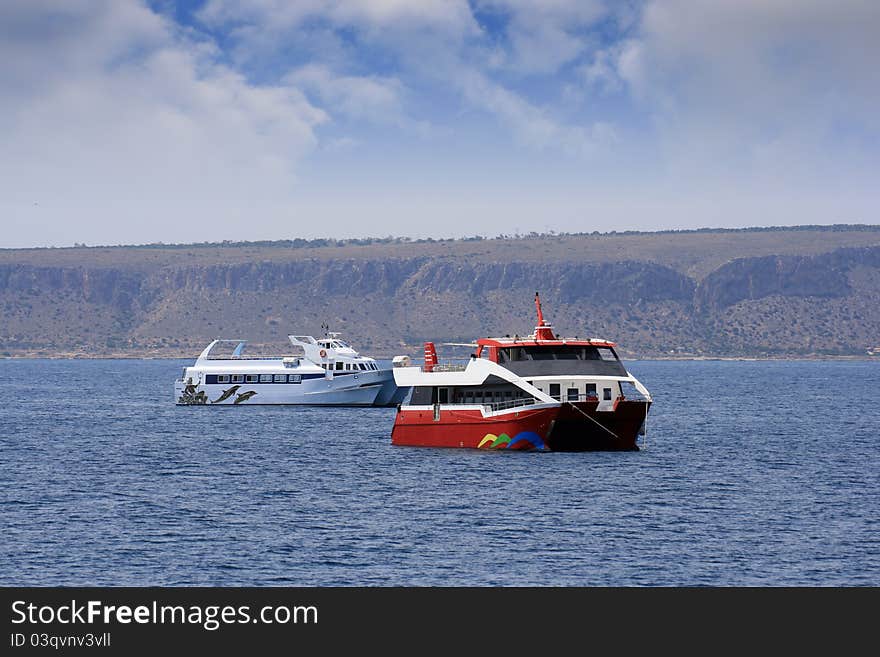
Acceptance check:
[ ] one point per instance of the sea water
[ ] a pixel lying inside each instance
(754, 473)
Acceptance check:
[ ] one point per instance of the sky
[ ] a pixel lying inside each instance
(130, 121)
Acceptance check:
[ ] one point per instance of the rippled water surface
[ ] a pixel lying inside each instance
(754, 473)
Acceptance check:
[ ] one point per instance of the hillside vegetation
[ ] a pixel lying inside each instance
(803, 291)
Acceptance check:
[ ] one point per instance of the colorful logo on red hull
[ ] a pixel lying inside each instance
(522, 440)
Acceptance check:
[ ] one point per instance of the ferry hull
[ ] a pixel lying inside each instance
(518, 430)
(579, 427)
(363, 389)
(568, 427)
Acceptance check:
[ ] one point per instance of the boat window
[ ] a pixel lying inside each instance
(222, 378)
(338, 365)
(573, 394)
(280, 378)
(606, 394)
(591, 390)
(252, 378)
(606, 354)
(443, 395)
(265, 378)
(555, 352)
(294, 378)
(237, 378)
(555, 391)
(362, 366)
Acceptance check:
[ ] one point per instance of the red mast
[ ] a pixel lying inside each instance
(543, 331)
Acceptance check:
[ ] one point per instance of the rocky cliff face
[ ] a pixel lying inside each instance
(114, 287)
(825, 303)
(743, 279)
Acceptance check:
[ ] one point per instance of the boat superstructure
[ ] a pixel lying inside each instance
(534, 392)
(327, 372)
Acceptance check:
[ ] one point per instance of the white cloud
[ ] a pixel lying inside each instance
(452, 16)
(602, 72)
(119, 124)
(733, 80)
(531, 125)
(372, 98)
(437, 42)
(125, 126)
(546, 35)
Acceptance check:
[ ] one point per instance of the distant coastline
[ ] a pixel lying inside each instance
(800, 292)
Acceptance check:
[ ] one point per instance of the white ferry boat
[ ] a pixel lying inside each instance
(324, 372)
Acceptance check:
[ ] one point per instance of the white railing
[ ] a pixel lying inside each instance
(511, 403)
(448, 368)
(233, 357)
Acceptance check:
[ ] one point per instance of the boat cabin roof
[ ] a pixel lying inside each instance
(532, 342)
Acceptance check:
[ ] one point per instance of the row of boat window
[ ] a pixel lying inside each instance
(573, 394)
(350, 367)
(479, 396)
(568, 352)
(259, 378)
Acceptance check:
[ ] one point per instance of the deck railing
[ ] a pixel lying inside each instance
(511, 403)
(232, 357)
(450, 367)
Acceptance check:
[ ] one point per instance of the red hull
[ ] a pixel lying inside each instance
(569, 427)
(517, 429)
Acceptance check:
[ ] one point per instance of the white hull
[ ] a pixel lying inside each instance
(356, 389)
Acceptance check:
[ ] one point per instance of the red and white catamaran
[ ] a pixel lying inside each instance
(537, 392)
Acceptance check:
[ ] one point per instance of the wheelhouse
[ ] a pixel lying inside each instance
(544, 358)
